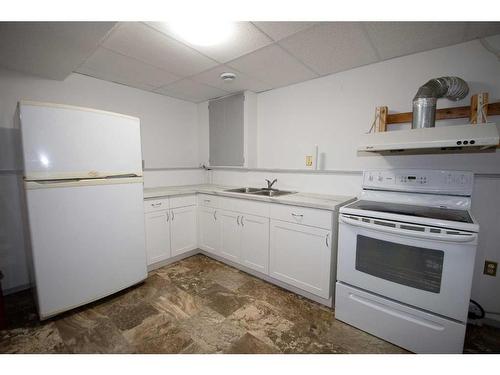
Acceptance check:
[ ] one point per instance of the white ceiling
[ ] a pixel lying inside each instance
(49, 49)
(263, 55)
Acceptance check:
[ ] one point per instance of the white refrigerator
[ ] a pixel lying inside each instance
(84, 198)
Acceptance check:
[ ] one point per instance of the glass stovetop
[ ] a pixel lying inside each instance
(418, 211)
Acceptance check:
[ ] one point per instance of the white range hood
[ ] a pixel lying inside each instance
(453, 138)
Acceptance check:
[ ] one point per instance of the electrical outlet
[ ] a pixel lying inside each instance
(309, 160)
(490, 268)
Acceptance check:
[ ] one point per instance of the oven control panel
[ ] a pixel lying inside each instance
(420, 180)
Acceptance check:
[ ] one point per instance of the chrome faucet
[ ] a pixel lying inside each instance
(270, 184)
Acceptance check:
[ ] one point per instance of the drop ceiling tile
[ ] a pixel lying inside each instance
(111, 66)
(481, 29)
(245, 39)
(493, 42)
(137, 40)
(274, 66)
(331, 47)
(189, 90)
(281, 29)
(392, 39)
(49, 49)
(241, 82)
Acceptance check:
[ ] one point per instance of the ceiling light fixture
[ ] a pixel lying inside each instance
(228, 77)
(202, 33)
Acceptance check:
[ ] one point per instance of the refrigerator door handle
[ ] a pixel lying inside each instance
(47, 184)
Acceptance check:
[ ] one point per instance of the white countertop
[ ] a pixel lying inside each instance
(322, 201)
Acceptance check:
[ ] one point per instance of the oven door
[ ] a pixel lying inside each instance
(428, 268)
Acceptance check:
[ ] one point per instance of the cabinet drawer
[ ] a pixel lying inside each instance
(151, 205)
(208, 200)
(302, 215)
(245, 206)
(183, 201)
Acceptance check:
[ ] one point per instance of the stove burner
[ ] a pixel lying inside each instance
(417, 211)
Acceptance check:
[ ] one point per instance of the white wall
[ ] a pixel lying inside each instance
(333, 111)
(169, 133)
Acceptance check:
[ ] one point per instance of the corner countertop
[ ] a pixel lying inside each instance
(321, 201)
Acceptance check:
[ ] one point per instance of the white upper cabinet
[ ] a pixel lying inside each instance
(233, 131)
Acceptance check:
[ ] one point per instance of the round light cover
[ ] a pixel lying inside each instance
(202, 33)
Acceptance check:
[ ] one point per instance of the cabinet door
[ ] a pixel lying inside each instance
(230, 235)
(255, 242)
(183, 229)
(301, 256)
(208, 229)
(157, 236)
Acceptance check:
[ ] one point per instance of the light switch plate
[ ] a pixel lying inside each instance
(309, 161)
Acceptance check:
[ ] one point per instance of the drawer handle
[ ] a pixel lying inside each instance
(238, 219)
(206, 200)
(326, 239)
(215, 215)
(173, 216)
(156, 204)
(242, 224)
(297, 215)
(168, 217)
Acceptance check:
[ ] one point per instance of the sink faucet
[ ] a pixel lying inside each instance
(270, 184)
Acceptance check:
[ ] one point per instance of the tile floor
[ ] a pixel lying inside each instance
(198, 305)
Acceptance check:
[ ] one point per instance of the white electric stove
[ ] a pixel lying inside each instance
(406, 256)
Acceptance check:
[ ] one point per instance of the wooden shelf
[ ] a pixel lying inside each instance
(442, 114)
(383, 118)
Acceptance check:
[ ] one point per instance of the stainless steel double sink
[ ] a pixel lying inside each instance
(261, 191)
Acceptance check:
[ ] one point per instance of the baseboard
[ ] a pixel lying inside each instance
(171, 260)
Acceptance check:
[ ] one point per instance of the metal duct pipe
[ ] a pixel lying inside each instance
(424, 102)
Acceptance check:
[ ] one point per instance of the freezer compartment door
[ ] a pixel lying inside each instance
(61, 142)
(87, 241)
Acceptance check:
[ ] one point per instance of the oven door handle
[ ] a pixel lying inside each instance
(429, 236)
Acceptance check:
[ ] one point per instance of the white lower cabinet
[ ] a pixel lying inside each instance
(245, 239)
(290, 244)
(182, 230)
(300, 255)
(170, 232)
(157, 236)
(230, 235)
(254, 251)
(208, 229)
